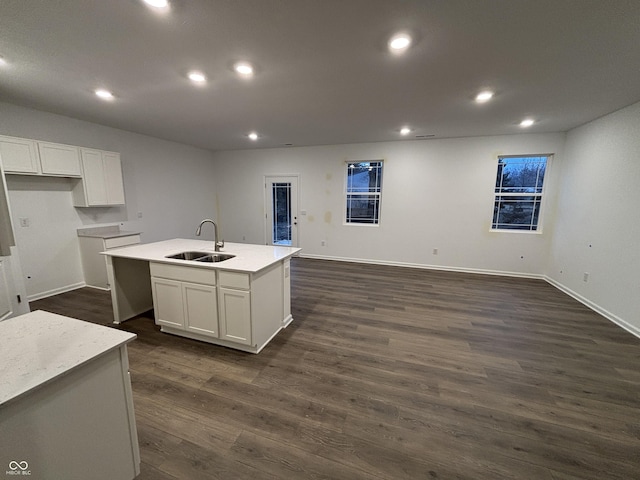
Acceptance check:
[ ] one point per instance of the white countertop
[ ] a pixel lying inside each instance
(248, 257)
(109, 231)
(38, 347)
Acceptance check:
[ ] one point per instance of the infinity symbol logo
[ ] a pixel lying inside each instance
(13, 465)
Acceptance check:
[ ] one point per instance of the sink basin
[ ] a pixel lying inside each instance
(216, 257)
(201, 256)
(188, 255)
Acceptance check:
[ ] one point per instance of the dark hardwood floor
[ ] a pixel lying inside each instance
(391, 373)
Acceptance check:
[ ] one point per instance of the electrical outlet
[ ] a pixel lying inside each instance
(139, 214)
(585, 277)
(25, 222)
(323, 243)
(435, 251)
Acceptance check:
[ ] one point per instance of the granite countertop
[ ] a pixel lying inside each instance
(38, 347)
(248, 257)
(110, 231)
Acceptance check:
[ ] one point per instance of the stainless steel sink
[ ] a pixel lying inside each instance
(216, 257)
(201, 256)
(188, 255)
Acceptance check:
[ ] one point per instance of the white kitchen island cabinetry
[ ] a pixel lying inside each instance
(185, 306)
(101, 183)
(66, 405)
(240, 303)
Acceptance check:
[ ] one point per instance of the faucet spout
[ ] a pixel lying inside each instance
(217, 245)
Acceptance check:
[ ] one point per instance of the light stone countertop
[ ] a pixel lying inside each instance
(109, 231)
(248, 257)
(38, 347)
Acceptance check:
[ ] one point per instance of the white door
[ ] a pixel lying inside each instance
(281, 205)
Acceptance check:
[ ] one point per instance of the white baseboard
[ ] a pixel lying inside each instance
(585, 301)
(95, 287)
(428, 267)
(595, 307)
(55, 291)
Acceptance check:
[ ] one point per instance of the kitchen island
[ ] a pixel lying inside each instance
(66, 406)
(241, 302)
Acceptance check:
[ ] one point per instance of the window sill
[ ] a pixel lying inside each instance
(530, 232)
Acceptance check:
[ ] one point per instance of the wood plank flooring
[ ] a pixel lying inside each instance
(390, 373)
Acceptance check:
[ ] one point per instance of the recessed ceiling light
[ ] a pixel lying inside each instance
(197, 77)
(405, 131)
(527, 122)
(104, 94)
(399, 42)
(243, 68)
(484, 96)
(157, 3)
(253, 136)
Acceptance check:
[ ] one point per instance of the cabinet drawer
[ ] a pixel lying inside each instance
(205, 276)
(234, 279)
(121, 241)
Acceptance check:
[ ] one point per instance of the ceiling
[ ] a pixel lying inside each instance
(324, 74)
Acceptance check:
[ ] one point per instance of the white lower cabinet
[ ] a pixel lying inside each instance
(200, 308)
(185, 305)
(235, 309)
(167, 302)
(235, 315)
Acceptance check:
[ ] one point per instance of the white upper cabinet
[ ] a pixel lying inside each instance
(19, 155)
(113, 178)
(101, 183)
(59, 160)
(23, 156)
(100, 172)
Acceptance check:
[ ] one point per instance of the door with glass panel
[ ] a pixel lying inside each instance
(281, 205)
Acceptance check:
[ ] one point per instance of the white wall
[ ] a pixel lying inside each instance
(598, 217)
(170, 184)
(436, 194)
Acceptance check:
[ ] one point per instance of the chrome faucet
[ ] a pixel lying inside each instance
(217, 245)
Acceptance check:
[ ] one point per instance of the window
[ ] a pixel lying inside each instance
(364, 188)
(518, 193)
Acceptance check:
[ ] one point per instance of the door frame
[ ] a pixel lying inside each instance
(294, 179)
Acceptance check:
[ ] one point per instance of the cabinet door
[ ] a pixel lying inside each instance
(93, 177)
(19, 155)
(167, 302)
(235, 315)
(113, 178)
(200, 308)
(62, 160)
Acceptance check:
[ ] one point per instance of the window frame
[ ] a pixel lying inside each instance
(541, 195)
(348, 194)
